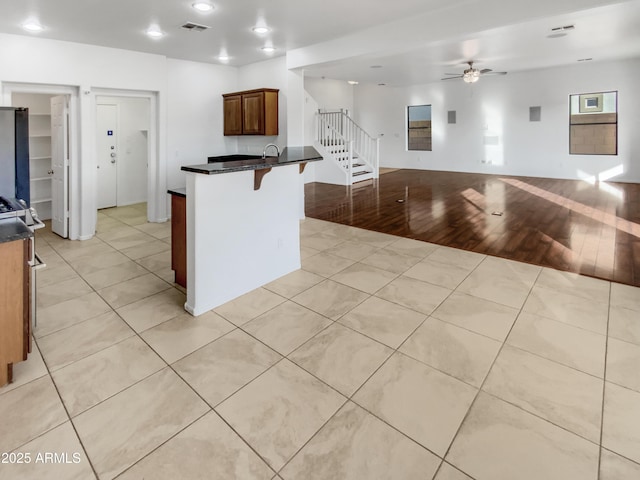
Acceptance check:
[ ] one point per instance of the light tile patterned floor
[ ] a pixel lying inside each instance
(383, 358)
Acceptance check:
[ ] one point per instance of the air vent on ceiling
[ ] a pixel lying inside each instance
(195, 27)
(564, 28)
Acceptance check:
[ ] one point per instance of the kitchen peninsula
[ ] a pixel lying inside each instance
(243, 230)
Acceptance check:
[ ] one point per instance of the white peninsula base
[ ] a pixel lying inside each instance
(239, 238)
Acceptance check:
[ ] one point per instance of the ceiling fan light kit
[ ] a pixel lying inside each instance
(472, 75)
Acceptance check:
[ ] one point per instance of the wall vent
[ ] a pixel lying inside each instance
(195, 27)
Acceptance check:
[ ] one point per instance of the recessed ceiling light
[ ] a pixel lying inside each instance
(268, 49)
(352, 82)
(261, 29)
(32, 26)
(202, 6)
(154, 32)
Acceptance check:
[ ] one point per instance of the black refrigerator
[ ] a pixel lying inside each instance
(14, 153)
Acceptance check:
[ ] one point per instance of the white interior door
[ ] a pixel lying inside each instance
(107, 155)
(60, 164)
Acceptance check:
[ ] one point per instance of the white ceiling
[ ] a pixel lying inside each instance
(513, 40)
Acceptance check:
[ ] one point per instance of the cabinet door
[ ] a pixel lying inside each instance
(253, 109)
(233, 115)
(179, 239)
(13, 302)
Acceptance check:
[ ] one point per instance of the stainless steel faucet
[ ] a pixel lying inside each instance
(264, 152)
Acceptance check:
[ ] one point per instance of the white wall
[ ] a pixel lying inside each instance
(268, 74)
(493, 133)
(330, 94)
(195, 115)
(29, 60)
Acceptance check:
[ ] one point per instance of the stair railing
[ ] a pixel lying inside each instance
(334, 144)
(364, 146)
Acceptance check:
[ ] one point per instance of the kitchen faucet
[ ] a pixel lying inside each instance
(264, 152)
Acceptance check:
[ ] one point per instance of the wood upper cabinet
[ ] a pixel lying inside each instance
(233, 115)
(252, 112)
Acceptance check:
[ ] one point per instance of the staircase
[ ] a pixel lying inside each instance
(352, 154)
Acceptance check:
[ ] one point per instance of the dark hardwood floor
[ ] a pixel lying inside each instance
(591, 229)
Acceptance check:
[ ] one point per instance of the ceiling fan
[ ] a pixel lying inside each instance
(472, 75)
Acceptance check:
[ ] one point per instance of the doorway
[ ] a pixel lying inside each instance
(49, 155)
(122, 150)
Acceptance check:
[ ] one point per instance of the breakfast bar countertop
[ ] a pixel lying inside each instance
(238, 163)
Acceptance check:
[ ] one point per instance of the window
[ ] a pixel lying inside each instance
(593, 124)
(419, 127)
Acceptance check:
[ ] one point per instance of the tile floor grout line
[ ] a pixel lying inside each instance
(480, 389)
(634, 462)
(348, 399)
(575, 369)
(395, 351)
(213, 407)
(503, 342)
(135, 333)
(604, 385)
(264, 460)
(331, 417)
(70, 419)
(163, 443)
(81, 276)
(253, 380)
(58, 369)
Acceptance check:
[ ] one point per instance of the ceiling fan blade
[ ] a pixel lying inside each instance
(485, 70)
(452, 74)
(451, 78)
(495, 73)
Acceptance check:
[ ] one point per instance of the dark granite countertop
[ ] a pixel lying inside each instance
(12, 229)
(239, 163)
(180, 192)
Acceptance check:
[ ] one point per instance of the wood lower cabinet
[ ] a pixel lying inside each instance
(252, 112)
(179, 238)
(15, 327)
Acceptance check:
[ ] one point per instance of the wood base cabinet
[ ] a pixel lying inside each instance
(179, 238)
(15, 327)
(252, 112)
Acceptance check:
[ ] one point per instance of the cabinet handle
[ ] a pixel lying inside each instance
(50, 172)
